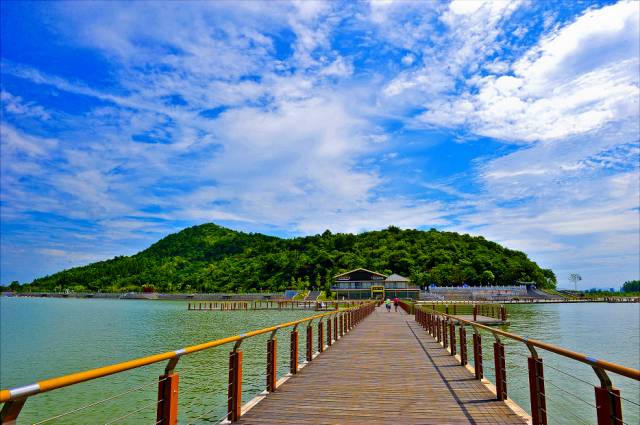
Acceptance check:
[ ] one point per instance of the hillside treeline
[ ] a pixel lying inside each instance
(210, 258)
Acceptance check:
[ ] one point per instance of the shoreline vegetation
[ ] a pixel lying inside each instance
(602, 296)
(210, 258)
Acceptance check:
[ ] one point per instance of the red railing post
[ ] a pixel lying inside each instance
(329, 332)
(463, 346)
(10, 411)
(272, 364)
(452, 338)
(477, 355)
(501, 370)
(341, 325)
(434, 326)
(335, 328)
(234, 403)
(475, 312)
(445, 339)
(167, 411)
(608, 405)
(309, 342)
(536, 391)
(293, 356)
(320, 337)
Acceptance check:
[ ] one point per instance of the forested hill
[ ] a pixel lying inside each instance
(210, 258)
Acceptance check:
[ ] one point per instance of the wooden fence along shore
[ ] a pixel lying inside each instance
(363, 364)
(272, 305)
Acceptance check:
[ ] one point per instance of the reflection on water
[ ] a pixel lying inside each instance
(41, 338)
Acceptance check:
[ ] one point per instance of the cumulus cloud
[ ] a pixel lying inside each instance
(578, 79)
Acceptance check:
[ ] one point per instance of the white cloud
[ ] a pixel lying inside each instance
(577, 80)
(611, 31)
(265, 131)
(408, 59)
(15, 105)
(465, 7)
(338, 68)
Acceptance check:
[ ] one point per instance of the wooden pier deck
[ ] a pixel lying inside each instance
(387, 370)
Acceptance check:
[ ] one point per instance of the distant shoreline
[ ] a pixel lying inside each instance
(154, 296)
(148, 296)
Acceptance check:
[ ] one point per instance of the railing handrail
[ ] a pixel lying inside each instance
(612, 367)
(87, 375)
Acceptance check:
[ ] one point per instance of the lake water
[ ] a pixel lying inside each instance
(43, 338)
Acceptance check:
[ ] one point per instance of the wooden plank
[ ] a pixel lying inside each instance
(386, 370)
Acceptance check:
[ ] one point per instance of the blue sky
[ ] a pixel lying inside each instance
(124, 122)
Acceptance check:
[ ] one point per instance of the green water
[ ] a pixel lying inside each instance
(42, 338)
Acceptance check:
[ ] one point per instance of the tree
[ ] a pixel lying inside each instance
(575, 278)
(14, 286)
(327, 290)
(487, 277)
(549, 278)
(631, 286)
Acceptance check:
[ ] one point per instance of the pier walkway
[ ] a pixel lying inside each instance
(373, 367)
(387, 370)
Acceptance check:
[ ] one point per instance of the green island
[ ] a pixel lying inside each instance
(211, 258)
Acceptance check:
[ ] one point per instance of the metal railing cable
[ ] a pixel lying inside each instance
(195, 420)
(96, 403)
(548, 381)
(625, 399)
(202, 401)
(580, 418)
(118, 419)
(591, 384)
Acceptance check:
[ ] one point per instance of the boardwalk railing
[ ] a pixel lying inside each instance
(442, 327)
(272, 305)
(337, 323)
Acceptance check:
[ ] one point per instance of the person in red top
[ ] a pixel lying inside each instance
(396, 301)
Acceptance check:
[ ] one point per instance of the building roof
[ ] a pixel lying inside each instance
(358, 270)
(396, 278)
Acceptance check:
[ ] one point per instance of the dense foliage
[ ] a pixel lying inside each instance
(210, 258)
(631, 286)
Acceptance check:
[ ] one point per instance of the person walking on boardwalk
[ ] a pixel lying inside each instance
(387, 304)
(396, 301)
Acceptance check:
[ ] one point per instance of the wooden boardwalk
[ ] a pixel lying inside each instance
(386, 370)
